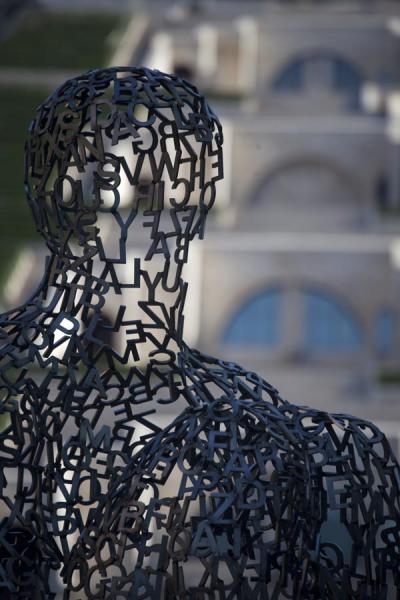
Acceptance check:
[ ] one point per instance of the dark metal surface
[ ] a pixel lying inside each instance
(133, 466)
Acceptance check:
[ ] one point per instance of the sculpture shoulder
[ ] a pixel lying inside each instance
(342, 446)
(367, 438)
(345, 427)
(209, 379)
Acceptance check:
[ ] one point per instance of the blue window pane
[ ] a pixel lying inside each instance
(257, 322)
(347, 80)
(346, 77)
(385, 330)
(329, 326)
(291, 78)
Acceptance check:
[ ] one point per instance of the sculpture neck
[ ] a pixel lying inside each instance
(122, 309)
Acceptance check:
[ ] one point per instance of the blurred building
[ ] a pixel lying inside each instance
(304, 250)
(298, 277)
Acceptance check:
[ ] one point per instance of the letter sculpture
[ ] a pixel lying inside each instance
(132, 466)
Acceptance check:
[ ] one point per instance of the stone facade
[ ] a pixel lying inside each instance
(308, 214)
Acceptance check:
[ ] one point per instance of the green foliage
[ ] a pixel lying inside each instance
(17, 108)
(391, 377)
(42, 40)
(49, 40)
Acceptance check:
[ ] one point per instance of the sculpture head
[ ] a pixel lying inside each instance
(116, 149)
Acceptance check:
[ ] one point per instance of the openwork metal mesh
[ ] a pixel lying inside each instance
(132, 466)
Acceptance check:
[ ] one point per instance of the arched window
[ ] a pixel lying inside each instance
(320, 71)
(329, 326)
(291, 78)
(385, 325)
(306, 194)
(257, 322)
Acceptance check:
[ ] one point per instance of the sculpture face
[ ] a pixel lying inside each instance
(121, 169)
(119, 149)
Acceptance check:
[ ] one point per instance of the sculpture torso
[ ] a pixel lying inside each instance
(151, 470)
